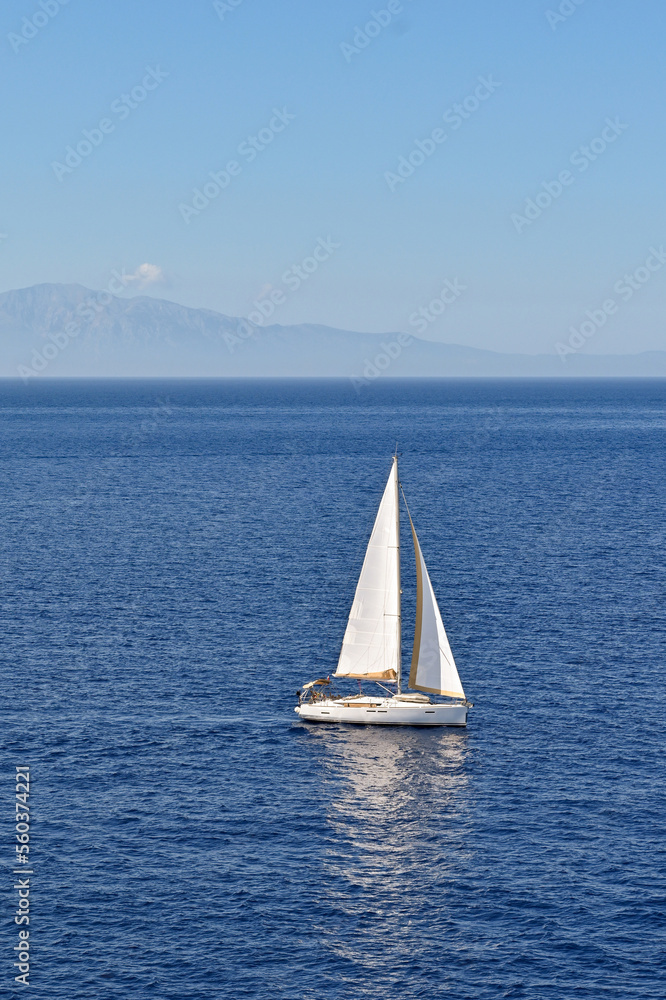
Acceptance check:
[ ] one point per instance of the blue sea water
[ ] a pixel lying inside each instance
(179, 557)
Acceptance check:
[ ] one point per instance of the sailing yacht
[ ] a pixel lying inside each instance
(371, 645)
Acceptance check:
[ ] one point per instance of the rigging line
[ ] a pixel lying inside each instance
(406, 504)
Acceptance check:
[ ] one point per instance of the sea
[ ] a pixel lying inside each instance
(179, 557)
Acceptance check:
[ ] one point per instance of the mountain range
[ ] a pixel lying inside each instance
(69, 330)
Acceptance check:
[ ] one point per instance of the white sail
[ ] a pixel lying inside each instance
(371, 646)
(433, 667)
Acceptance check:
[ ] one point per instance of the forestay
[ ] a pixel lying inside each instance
(371, 646)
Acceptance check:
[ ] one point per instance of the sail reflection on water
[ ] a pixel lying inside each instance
(399, 810)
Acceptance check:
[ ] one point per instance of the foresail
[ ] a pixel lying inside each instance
(433, 667)
(371, 646)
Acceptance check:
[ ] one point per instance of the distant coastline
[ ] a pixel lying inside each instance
(69, 331)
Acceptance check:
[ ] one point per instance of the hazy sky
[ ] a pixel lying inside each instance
(317, 119)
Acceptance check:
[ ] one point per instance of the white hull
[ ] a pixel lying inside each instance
(383, 712)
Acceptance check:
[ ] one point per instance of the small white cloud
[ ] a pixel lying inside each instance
(147, 274)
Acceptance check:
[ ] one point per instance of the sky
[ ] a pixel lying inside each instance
(352, 156)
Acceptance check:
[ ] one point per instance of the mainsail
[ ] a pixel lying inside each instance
(433, 667)
(371, 646)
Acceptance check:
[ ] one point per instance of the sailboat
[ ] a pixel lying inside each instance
(371, 645)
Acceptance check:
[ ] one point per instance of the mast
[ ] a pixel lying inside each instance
(397, 534)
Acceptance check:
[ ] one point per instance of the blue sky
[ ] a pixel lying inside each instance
(347, 115)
